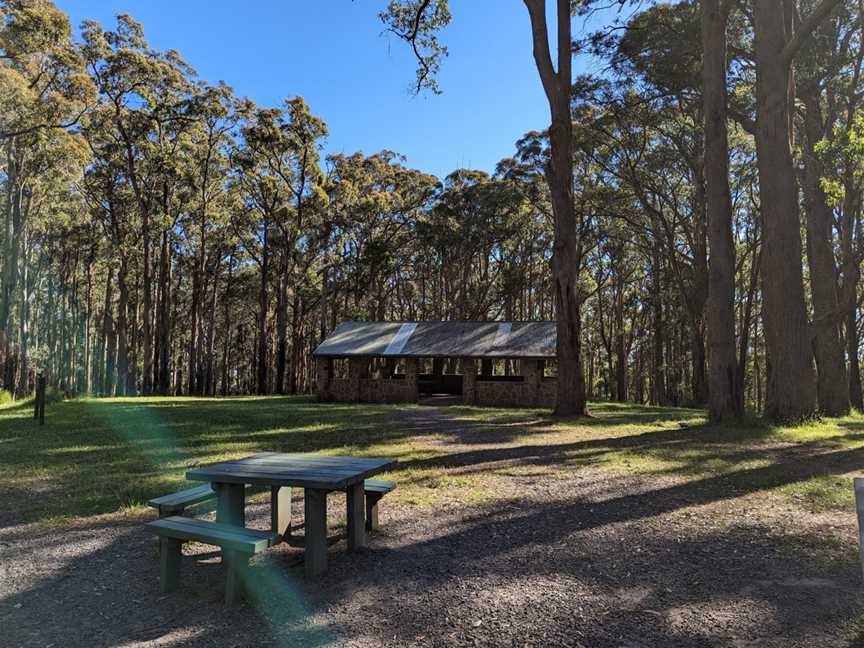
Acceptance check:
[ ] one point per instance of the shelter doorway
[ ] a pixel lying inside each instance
(439, 377)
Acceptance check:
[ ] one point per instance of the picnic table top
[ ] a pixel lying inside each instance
(304, 470)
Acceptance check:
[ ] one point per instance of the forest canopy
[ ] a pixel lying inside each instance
(162, 235)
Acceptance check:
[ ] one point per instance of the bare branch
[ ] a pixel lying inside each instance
(806, 28)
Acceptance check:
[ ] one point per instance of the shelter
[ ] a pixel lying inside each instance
(400, 362)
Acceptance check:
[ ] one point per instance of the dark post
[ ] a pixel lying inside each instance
(39, 403)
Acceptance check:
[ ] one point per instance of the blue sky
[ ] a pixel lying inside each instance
(333, 53)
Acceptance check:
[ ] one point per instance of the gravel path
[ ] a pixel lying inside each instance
(575, 558)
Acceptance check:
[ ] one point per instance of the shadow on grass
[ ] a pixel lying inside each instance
(98, 456)
(602, 564)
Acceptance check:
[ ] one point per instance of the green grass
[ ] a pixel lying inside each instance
(102, 455)
(99, 456)
(821, 456)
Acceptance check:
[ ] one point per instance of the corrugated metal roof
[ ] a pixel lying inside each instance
(441, 339)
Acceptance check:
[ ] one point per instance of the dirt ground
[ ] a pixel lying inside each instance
(582, 558)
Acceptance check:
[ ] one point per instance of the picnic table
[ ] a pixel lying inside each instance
(317, 475)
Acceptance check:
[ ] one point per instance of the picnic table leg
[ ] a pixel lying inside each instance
(235, 580)
(372, 511)
(315, 555)
(169, 558)
(230, 503)
(280, 510)
(356, 517)
(230, 509)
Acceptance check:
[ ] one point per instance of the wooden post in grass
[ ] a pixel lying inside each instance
(858, 483)
(39, 402)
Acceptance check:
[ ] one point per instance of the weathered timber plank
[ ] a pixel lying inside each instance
(276, 477)
(311, 458)
(308, 471)
(234, 538)
(378, 486)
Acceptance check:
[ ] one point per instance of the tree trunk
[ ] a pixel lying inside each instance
(262, 318)
(791, 389)
(658, 380)
(620, 352)
(194, 342)
(698, 381)
(282, 328)
(832, 387)
(849, 223)
(226, 316)
(163, 377)
(296, 343)
(106, 369)
(14, 226)
(147, 311)
(855, 394)
(209, 382)
(567, 254)
(122, 331)
(723, 401)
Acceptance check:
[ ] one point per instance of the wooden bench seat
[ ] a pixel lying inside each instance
(177, 503)
(237, 544)
(375, 489)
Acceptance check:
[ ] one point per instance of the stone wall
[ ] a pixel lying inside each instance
(359, 387)
(324, 378)
(384, 390)
(469, 382)
(342, 390)
(411, 371)
(330, 388)
(492, 393)
(532, 391)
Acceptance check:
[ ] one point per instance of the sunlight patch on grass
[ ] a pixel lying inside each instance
(853, 629)
(823, 493)
(847, 431)
(102, 455)
(678, 443)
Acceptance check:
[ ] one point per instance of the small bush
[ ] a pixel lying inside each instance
(5, 397)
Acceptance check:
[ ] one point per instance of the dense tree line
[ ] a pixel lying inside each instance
(692, 218)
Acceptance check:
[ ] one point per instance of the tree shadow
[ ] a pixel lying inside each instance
(625, 569)
(96, 456)
(106, 575)
(607, 561)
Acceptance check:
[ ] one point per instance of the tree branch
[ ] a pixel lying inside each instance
(565, 45)
(540, 39)
(806, 28)
(31, 129)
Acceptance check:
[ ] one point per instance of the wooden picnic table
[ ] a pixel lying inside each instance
(318, 475)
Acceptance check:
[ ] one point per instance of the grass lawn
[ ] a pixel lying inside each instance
(97, 456)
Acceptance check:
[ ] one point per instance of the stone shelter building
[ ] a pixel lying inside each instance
(506, 364)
